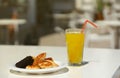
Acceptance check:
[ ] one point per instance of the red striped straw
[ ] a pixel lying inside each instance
(85, 23)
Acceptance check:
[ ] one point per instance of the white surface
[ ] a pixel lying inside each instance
(12, 21)
(113, 23)
(48, 70)
(16, 23)
(102, 62)
(115, 26)
(102, 33)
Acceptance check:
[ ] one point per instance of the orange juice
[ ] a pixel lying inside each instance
(75, 45)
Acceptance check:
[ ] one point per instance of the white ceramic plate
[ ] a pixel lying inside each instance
(48, 70)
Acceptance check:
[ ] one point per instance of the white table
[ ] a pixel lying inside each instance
(16, 23)
(115, 24)
(102, 62)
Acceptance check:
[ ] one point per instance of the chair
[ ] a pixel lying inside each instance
(102, 34)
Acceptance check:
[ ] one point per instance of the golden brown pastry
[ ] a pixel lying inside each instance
(41, 62)
(47, 64)
(49, 58)
(32, 67)
(39, 58)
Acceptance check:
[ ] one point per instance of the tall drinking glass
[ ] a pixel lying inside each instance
(75, 46)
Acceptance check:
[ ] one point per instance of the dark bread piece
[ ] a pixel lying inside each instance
(25, 62)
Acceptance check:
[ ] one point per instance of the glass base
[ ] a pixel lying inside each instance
(78, 64)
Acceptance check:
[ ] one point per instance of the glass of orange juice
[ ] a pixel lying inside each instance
(75, 46)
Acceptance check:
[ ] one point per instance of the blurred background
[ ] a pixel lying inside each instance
(42, 22)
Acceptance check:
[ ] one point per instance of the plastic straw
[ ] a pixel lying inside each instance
(85, 23)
